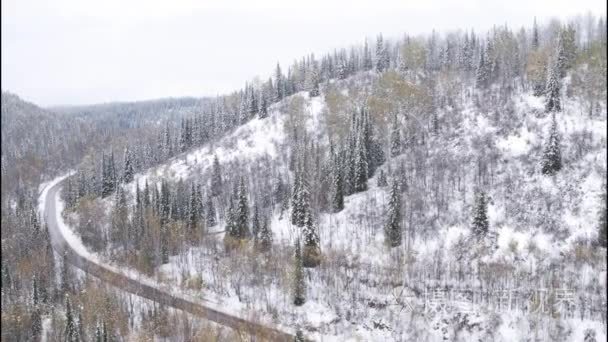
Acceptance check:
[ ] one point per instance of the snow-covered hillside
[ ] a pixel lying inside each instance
(363, 290)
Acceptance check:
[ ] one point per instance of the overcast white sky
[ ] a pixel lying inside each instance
(81, 52)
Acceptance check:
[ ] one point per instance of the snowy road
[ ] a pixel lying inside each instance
(135, 286)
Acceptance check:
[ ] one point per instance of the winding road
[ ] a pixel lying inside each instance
(257, 331)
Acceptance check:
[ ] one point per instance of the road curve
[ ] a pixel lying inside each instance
(256, 330)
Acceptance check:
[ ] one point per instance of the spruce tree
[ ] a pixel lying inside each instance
(338, 188)
(395, 139)
(361, 166)
(36, 321)
(255, 223)
(382, 58)
(210, 215)
(367, 57)
(164, 244)
(314, 87)
(382, 182)
(552, 88)
(242, 212)
(263, 112)
(298, 199)
(535, 39)
(603, 224)
(312, 252)
(35, 293)
(279, 84)
(216, 177)
(127, 175)
(71, 331)
(192, 210)
(482, 73)
(393, 223)
(265, 236)
(552, 160)
(64, 284)
(480, 225)
(298, 281)
(299, 336)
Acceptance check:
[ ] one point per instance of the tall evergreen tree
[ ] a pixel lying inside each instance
(279, 84)
(481, 224)
(535, 39)
(361, 166)
(337, 201)
(265, 236)
(210, 215)
(395, 139)
(312, 252)
(367, 57)
(552, 160)
(216, 177)
(127, 175)
(382, 182)
(482, 74)
(603, 224)
(193, 208)
(255, 223)
(263, 112)
(552, 88)
(382, 58)
(71, 330)
(35, 293)
(242, 211)
(298, 281)
(393, 223)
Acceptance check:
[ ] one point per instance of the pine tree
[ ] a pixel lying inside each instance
(164, 244)
(279, 84)
(230, 219)
(482, 73)
(36, 321)
(298, 282)
(535, 40)
(127, 175)
(105, 180)
(393, 223)
(210, 215)
(395, 139)
(71, 331)
(367, 57)
(193, 209)
(552, 160)
(35, 294)
(361, 166)
(265, 237)
(242, 212)
(299, 336)
(263, 112)
(552, 88)
(314, 86)
(255, 223)
(382, 58)
(298, 199)
(338, 187)
(603, 224)
(216, 177)
(382, 182)
(64, 278)
(481, 225)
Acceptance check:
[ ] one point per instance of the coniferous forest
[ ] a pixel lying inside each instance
(440, 187)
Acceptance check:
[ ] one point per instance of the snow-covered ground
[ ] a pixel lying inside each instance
(351, 296)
